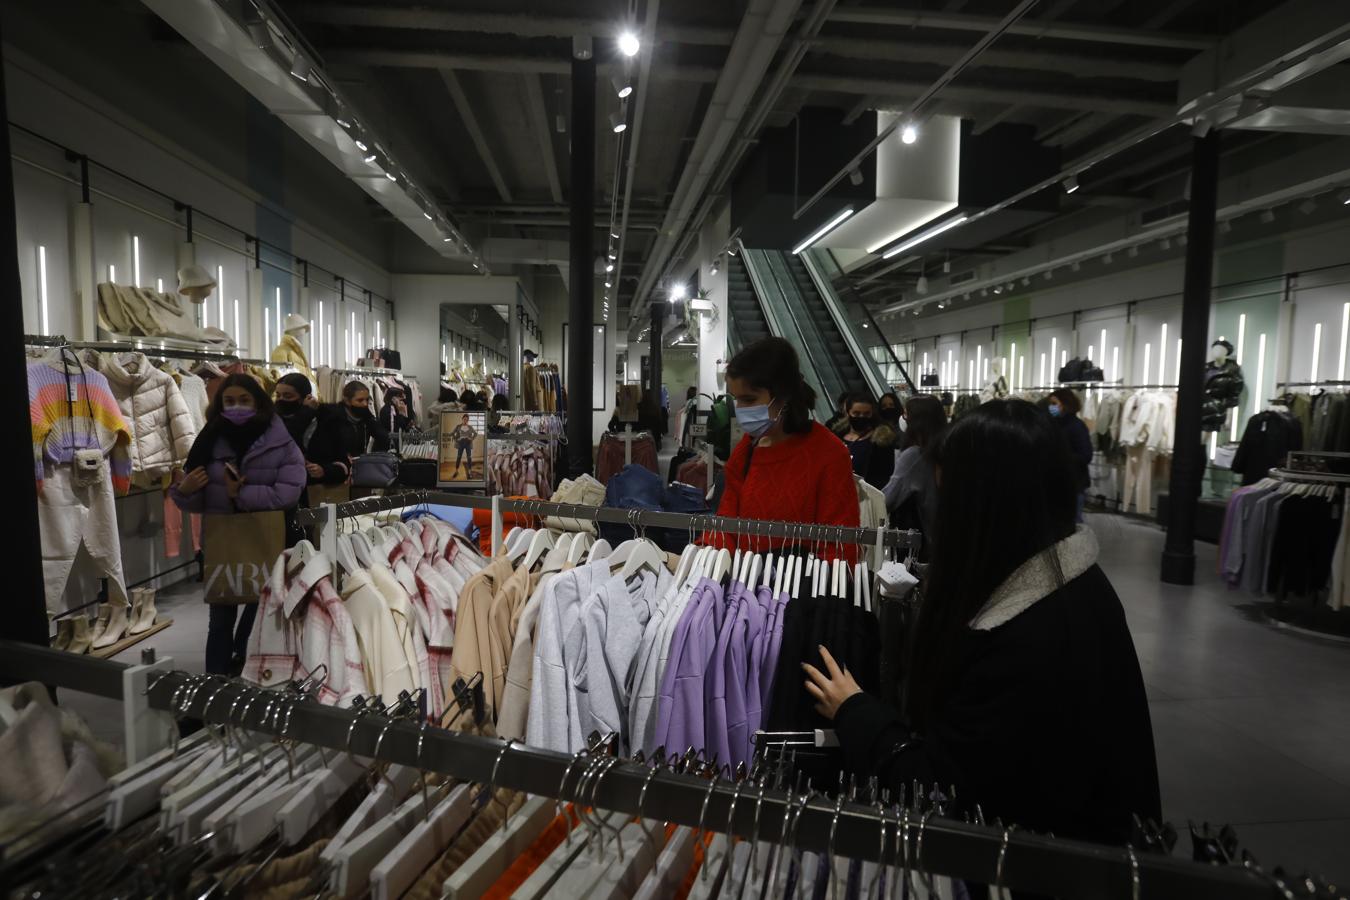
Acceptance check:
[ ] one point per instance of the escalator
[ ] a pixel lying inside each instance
(746, 316)
(791, 305)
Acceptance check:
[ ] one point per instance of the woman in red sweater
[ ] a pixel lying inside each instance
(787, 468)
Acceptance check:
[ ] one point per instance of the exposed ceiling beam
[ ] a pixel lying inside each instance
(1083, 128)
(1078, 65)
(983, 125)
(475, 132)
(543, 134)
(487, 62)
(519, 25)
(1045, 132)
(1165, 15)
(1102, 34)
(904, 92)
(865, 102)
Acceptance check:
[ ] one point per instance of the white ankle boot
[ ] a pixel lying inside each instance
(143, 613)
(116, 628)
(65, 630)
(80, 637)
(100, 622)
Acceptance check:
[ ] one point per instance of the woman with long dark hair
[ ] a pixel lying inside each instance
(911, 492)
(1024, 690)
(870, 441)
(787, 467)
(345, 431)
(244, 460)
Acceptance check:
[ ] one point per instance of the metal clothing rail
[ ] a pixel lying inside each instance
(1280, 384)
(1018, 860)
(1296, 477)
(151, 347)
(371, 370)
(639, 518)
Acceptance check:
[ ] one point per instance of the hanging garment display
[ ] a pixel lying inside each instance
(153, 406)
(612, 456)
(521, 468)
(1266, 442)
(81, 456)
(142, 312)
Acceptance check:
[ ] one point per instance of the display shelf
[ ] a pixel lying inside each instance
(131, 640)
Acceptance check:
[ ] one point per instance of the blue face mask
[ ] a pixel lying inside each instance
(755, 420)
(1056, 410)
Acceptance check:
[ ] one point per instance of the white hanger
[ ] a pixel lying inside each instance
(755, 562)
(521, 546)
(541, 543)
(490, 861)
(600, 550)
(511, 535)
(721, 564)
(396, 784)
(646, 555)
(420, 847)
(796, 577)
(580, 544)
(769, 568)
(357, 859)
(784, 562)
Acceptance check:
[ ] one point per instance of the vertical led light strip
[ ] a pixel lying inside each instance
(1012, 364)
(1103, 347)
(1317, 350)
(972, 373)
(924, 370)
(136, 260)
(267, 330)
(220, 296)
(237, 333)
(985, 374)
(942, 376)
(379, 341)
(159, 285)
(1241, 344)
(1345, 330)
(1259, 390)
(1040, 382)
(311, 340)
(279, 331)
(1021, 372)
(1178, 379)
(979, 365)
(330, 343)
(1115, 363)
(951, 369)
(1162, 356)
(1054, 354)
(351, 339)
(319, 361)
(1148, 354)
(112, 273)
(42, 289)
(1063, 358)
(1213, 445)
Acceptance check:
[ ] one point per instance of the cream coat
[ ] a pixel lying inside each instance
(162, 429)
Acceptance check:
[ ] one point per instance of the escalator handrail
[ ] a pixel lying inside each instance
(833, 303)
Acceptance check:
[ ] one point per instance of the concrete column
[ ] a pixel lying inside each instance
(581, 299)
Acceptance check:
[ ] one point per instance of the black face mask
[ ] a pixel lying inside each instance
(287, 407)
(861, 424)
(890, 414)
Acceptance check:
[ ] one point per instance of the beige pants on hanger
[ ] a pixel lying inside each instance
(1138, 481)
(70, 515)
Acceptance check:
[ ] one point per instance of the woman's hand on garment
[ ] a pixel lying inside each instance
(193, 481)
(314, 469)
(830, 688)
(233, 484)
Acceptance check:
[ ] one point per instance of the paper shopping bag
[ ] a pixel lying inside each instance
(238, 552)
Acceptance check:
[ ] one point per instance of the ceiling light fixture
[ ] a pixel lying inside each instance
(922, 284)
(1181, 240)
(1076, 266)
(1307, 206)
(613, 235)
(1344, 197)
(622, 86)
(427, 214)
(391, 176)
(370, 158)
(1070, 184)
(612, 254)
(300, 68)
(1132, 252)
(1267, 216)
(855, 177)
(342, 122)
(1049, 274)
(909, 134)
(618, 123)
(824, 230)
(1225, 226)
(629, 44)
(926, 236)
(998, 289)
(609, 267)
(1165, 243)
(1026, 281)
(447, 240)
(361, 145)
(1109, 258)
(679, 291)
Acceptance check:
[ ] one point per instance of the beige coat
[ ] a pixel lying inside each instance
(473, 634)
(291, 352)
(152, 404)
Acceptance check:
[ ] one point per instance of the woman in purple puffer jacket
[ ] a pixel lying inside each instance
(244, 460)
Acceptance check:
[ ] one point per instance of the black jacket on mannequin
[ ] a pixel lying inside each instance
(1046, 723)
(1223, 391)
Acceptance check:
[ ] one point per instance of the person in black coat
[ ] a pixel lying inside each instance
(1064, 406)
(871, 441)
(344, 431)
(1024, 690)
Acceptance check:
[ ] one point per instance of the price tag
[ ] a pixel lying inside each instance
(72, 392)
(699, 430)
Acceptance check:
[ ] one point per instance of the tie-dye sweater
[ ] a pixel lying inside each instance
(89, 420)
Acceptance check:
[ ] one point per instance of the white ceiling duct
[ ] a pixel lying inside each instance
(258, 50)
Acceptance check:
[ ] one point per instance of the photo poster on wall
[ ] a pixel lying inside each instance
(463, 450)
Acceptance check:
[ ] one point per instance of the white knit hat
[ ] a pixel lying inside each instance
(194, 276)
(296, 322)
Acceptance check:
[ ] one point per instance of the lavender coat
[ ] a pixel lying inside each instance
(273, 470)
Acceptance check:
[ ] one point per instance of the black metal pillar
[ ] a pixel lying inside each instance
(25, 619)
(581, 290)
(1188, 461)
(654, 348)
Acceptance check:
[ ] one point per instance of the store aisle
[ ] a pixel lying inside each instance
(1250, 723)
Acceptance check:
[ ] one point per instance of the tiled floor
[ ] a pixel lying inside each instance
(1251, 724)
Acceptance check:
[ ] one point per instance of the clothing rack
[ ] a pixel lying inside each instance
(1017, 860)
(328, 514)
(1281, 384)
(1290, 476)
(373, 370)
(151, 347)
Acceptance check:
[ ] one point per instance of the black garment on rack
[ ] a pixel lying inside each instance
(1266, 442)
(849, 632)
(1305, 535)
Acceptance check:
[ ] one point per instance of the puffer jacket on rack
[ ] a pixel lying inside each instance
(152, 404)
(290, 352)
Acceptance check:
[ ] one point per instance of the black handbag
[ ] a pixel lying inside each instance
(420, 473)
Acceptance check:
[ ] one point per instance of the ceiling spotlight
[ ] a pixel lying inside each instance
(391, 176)
(618, 123)
(1344, 197)
(628, 44)
(342, 122)
(1026, 281)
(361, 145)
(300, 68)
(1267, 216)
(967, 296)
(447, 240)
(1070, 184)
(370, 157)
(922, 284)
(1076, 266)
(909, 134)
(1225, 226)
(984, 292)
(678, 292)
(612, 254)
(942, 304)
(864, 324)
(998, 289)
(1109, 258)
(855, 177)
(1165, 243)
(613, 235)
(622, 86)
(1307, 206)
(1049, 274)
(427, 215)
(609, 267)
(1132, 252)
(607, 284)
(946, 266)
(1181, 240)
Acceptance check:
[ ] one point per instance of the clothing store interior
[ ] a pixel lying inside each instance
(613, 448)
